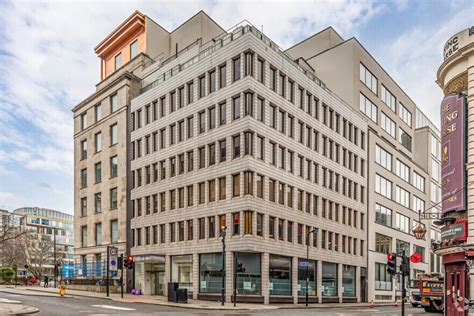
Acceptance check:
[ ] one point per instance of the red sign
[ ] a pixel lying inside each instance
(416, 258)
(453, 157)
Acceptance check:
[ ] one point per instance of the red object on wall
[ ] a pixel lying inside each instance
(415, 258)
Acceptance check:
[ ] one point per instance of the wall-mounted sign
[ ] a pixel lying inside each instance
(458, 41)
(456, 231)
(453, 157)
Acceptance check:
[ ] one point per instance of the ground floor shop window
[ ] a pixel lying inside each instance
(305, 269)
(249, 281)
(329, 280)
(138, 276)
(383, 280)
(182, 271)
(280, 275)
(348, 281)
(210, 273)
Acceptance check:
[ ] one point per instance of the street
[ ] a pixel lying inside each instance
(97, 306)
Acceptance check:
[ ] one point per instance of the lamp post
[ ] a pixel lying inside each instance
(307, 264)
(222, 234)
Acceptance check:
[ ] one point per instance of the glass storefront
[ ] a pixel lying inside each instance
(280, 275)
(182, 271)
(329, 280)
(348, 281)
(250, 280)
(138, 276)
(210, 273)
(304, 270)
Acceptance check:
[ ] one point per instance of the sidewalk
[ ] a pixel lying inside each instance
(10, 307)
(160, 300)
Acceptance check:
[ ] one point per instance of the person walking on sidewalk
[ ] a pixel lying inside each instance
(46, 281)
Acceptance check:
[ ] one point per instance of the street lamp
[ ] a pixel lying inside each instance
(222, 234)
(307, 263)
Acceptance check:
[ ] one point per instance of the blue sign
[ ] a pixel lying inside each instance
(304, 264)
(113, 262)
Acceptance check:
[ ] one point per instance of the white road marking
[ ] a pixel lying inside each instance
(115, 307)
(8, 301)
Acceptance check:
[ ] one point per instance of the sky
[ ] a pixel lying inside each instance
(48, 65)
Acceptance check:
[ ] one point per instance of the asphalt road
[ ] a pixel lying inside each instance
(50, 306)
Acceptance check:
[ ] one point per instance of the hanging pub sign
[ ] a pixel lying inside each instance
(456, 231)
(453, 156)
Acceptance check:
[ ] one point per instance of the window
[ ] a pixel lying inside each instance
(435, 170)
(210, 273)
(248, 63)
(98, 172)
(349, 279)
(329, 279)
(261, 109)
(113, 166)
(388, 125)
(236, 185)
(222, 113)
(260, 147)
(84, 236)
(236, 107)
(202, 86)
(368, 78)
(403, 247)
(248, 183)
(83, 178)
(222, 188)
(113, 103)
(404, 139)
(113, 134)
(190, 229)
(212, 226)
(211, 185)
(368, 108)
(435, 145)
(236, 69)
(383, 279)
(98, 112)
(97, 142)
(248, 106)
(202, 157)
(418, 204)
(402, 196)
(280, 275)
(260, 70)
(248, 222)
(402, 223)
(383, 186)
(236, 224)
(222, 76)
(248, 143)
(282, 84)
(271, 227)
(383, 244)
(190, 189)
(404, 114)
(172, 232)
(83, 121)
(133, 49)
(403, 171)
(236, 146)
(222, 150)
(98, 234)
(260, 184)
(212, 117)
(383, 158)
(190, 94)
(83, 206)
(118, 61)
(418, 181)
(273, 78)
(388, 98)
(114, 231)
(383, 215)
(212, 81)
(84, 149)
(113, 198)
(97, 202)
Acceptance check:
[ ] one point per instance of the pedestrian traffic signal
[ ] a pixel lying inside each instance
(240, 267)
(405, 266)
(392, 263)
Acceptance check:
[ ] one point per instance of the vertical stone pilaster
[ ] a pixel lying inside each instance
(294, 279)
(358, 285)
(167, 273)
(339, 281)
(265, 277)
(319, 280)
(195, 275)
(229, 275)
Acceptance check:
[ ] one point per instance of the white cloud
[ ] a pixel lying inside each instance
(414, 57)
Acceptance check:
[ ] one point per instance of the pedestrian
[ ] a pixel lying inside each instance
(46, 281)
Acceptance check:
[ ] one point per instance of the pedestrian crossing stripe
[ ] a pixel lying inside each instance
(115, 307)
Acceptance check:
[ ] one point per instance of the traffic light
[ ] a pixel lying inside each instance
(240, 267)
(128, 262)
(120, 263)
(405, 266)
(392, 263)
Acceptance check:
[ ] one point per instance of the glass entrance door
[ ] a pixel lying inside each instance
(157, 280)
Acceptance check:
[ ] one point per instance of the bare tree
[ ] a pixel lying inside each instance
(38, 253)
